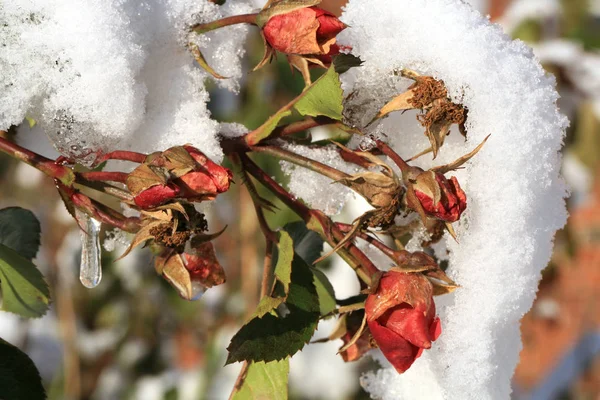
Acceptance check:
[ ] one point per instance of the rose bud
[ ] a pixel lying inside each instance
(401, 317)
(309, 30)
(156, 196)
(177, 173)
(440, 197)
(191, 273)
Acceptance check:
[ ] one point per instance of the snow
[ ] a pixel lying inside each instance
(105, 75)
(317, 190)
(515, 194)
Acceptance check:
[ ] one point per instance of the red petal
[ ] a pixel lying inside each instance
(329, 25)
(399, 352)
(409, 323)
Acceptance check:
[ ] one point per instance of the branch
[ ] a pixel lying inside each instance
(63, 174)
(301, 161)
(233, 20)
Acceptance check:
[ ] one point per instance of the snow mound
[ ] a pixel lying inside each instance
(515, 194)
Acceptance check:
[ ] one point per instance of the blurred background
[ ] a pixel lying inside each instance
(132, 337)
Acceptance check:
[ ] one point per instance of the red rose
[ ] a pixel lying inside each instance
(401, 317)
(452, 200)
(310, 30)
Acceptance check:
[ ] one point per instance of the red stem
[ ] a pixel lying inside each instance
(388, 151)
(123, 156)
(300, 126)
(46, 165)
(233, 20)
(95, 176)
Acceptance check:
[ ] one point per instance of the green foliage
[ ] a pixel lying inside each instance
(324, 97)
(264, 381)
(19, 379)
(286, 320)
(24, 290)
(272, 337)
(307, 244)
(20, 231)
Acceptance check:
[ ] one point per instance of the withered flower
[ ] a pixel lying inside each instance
(401, 317)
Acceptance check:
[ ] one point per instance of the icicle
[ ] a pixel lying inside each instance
(197, 290)
(90, 272)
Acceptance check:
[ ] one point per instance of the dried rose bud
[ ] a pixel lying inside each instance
(401, 317)
(439, 197)
(191, 272)
(177, 173)
(309, 30)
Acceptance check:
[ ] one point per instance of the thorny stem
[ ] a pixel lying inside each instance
(268, 271)
(64, 174)
(353, 256)
(122, 155)
(369, 239)
(302, 161)
(95, 176)
(300, 126)
(99, 211)
(233, 20)
(388, 151)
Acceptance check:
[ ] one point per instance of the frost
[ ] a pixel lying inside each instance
(515, 195)
(317, 190)
(101, 75)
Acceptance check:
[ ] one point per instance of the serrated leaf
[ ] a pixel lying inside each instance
(285, 258)
(307, 244)
(264, 381)
(24, 290)
(325, 292)
(343, 62)
(324, 97)
(19, 378)
(20, 231)
(274, 338)
(263, 131)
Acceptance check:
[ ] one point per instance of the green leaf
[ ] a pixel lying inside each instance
(264, 381)
(32, 122)
(20, 230)
(19, 378)
(307, 244)
(325, 292)
(285, 258)
(24, 290)
(271, 337)
(323, 97)
(343, 62)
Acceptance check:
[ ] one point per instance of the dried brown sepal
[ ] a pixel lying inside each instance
(145, 177)
(195, 50)
(268, 55)
(417, 261)
(178, 161)
(141, 236)
(442, 169)
(273, 8)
